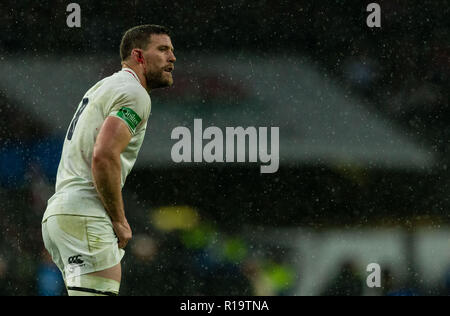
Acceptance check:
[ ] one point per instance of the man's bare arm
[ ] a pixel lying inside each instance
(112, 139)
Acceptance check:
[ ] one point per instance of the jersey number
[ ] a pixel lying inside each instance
(75, 119)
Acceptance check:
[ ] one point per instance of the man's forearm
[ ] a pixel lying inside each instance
(107, 179)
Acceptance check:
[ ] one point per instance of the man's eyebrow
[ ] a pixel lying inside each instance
(166, 46)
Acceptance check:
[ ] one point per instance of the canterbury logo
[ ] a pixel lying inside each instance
(75, 260)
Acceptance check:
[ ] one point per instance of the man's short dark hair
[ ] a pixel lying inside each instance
(139, 37)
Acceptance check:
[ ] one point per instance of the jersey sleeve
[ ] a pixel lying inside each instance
(131, 105)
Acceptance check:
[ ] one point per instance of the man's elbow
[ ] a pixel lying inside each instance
(104, 158)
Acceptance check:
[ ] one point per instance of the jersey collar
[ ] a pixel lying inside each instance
(129, 70)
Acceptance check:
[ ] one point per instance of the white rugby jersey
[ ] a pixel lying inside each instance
(120, 95)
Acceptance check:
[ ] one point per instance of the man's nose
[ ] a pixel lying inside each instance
(172, 57)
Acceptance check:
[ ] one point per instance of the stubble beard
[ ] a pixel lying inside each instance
(156, 79)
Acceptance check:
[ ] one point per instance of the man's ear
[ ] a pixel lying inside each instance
(139, 57)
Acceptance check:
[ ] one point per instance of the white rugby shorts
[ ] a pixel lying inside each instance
(81, 244)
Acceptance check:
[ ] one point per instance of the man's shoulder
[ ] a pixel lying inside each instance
(118, 90)
(127, 86)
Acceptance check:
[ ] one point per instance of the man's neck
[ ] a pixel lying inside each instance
(138, 73)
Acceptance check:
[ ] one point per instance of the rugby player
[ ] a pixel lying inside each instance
(84, 227)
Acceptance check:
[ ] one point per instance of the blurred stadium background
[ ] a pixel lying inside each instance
(364, 145)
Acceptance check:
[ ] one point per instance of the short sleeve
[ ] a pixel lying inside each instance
(131, 105)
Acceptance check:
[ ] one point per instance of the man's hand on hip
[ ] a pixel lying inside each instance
(123, 232)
